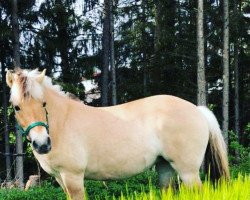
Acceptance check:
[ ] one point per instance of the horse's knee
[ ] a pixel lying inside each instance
(75, 193)
(73, 186)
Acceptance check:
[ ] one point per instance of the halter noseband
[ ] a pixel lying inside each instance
(34, 124)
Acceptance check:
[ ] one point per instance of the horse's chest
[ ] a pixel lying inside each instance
(44, 162)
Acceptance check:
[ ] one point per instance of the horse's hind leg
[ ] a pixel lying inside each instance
(191, 179)
(188, 173)
(165, 172)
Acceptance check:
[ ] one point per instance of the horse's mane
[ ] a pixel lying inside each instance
(27, 86)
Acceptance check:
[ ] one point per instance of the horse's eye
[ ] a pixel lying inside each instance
(44, 104)
(17, 108)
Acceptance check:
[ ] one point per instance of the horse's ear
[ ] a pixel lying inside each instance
(9, 78)
(41, 76)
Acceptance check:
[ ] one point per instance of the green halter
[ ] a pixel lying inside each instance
(33, 125)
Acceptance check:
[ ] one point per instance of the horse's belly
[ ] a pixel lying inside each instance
(122, 162)
(120, 169)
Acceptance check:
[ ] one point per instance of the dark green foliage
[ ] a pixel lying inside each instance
(239, 155)
(139, 183)
(95, 189)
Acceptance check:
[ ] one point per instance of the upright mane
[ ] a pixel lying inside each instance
(26, 86)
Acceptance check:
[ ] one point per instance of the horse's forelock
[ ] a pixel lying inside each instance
(26, 86)
(22, 84)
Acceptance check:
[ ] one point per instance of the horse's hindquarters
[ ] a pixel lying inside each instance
(186, 143)
(184, 137)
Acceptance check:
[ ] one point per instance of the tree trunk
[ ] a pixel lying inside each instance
(19, 160)
(236, 76)
(16, 62)
(15, 30)
(112, 55)
(105, 53)
(144, 54)
(6, 127)
(201, 80)
(225, 105)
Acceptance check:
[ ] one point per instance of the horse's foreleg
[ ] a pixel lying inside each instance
(60, 182)
(73, 185)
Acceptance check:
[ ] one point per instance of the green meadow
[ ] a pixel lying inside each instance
(139, 189)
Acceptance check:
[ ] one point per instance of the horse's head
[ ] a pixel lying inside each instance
(27, 98)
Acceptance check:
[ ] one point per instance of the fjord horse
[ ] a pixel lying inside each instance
(72, 140)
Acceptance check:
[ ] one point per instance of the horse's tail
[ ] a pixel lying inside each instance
(216, 160)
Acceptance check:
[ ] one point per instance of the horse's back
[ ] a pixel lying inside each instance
(149, 105)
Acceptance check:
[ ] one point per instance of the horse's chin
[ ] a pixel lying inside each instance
(44, 151)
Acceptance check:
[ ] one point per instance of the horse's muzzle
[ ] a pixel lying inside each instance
(42, 148)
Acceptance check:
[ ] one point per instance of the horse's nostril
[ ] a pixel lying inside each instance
(48, 142)
(43, 148)
(35, 145)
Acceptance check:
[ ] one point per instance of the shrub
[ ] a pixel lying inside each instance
(240, 161)
(44, 192)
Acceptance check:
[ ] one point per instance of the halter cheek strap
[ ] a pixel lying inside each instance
(34, 124)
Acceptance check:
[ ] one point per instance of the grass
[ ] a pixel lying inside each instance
(236, 189)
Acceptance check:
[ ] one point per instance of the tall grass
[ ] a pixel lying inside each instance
(237, 189)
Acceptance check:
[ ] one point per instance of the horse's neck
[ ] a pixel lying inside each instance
(57, 107)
